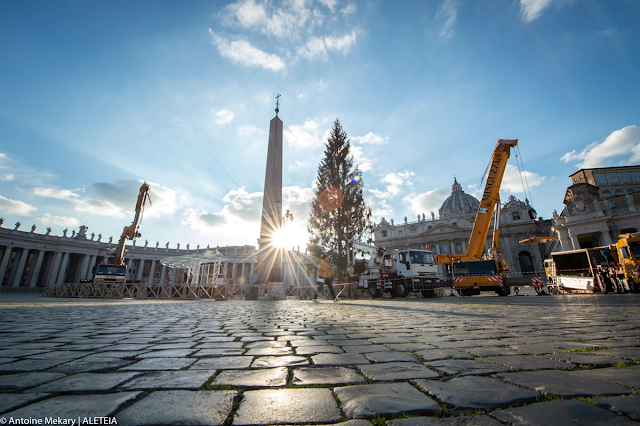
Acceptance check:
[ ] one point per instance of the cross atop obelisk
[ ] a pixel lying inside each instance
(270, 257)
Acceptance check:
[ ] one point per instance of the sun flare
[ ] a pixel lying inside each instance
(288, 237)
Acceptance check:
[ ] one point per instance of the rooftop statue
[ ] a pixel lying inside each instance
(99, 236)
(33, 228)
(48, 231)
(64, 233)
(17, 226)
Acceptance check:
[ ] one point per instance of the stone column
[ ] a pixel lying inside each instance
(129, 265)
(574, 240)
(63, 268)
(174, 275)
(92, 263)
(5, 262)
(233, 272)
(21, 265)
(163, 274)
(82, 273)
(140, 270)
(55, 266)
(152, 271)
(36, 269)
(606, 238)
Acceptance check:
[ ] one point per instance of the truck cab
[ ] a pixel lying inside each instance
(110, 274)
(410, 263)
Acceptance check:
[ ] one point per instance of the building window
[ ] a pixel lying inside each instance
(520, 238)
(613, 178)
(455, 223)
(612, 204)
(601, 179)
(515, 215)
(413, 230)
(606, 191)
(384, 233)
(445, 248)
(635, 176)
(399, 232)
(458, 248)
(625, 177)
(429, 227)
(619, 191)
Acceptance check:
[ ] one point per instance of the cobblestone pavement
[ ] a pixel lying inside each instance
(552, 360)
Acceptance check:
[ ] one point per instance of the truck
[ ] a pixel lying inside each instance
(474, 271)
(591, 270)
(397, 273)
(116, 272)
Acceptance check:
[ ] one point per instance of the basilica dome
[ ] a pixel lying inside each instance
(458, 203)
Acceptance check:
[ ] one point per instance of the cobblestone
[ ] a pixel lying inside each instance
(196, 362)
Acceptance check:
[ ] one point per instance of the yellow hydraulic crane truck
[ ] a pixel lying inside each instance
(116, 272)
(628, 249)
(471, 273)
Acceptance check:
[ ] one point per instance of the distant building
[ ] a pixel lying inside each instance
(30, 259)
(449, 233)
(600, 204)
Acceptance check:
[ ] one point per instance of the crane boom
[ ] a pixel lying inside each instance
(131, 232)
(490, 197)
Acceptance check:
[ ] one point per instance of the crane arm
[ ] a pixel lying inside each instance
(490, 197)
(131, 232)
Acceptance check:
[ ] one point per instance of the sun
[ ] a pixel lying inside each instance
(288, 237)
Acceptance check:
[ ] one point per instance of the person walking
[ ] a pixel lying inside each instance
(324, 277)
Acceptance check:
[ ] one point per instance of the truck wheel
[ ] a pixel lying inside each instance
(374, 291)
(399, 288)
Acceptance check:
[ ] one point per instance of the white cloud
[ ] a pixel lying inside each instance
(15, 206)
(317, 47)
(349, 9)
(300, 165)
(304, 136)
(224, 116)
(243, 53)
(395, 181)
(8, 177)
(623, 143)
(363, 163)
(331, 4)
(297, 200)
(3, 156)
(427, 202)
(532, 9)
(450, 13)
(512, 182)
(371, 138)
(284, 23)
(62, 221)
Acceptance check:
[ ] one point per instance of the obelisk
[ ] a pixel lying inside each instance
(269, 256)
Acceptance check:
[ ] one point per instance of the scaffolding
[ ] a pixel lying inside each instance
(202, 268)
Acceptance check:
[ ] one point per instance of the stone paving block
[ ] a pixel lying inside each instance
(391, 356)
(219, 345)
(279, 361)
(384, 399)
(269, 344)
(16, 353)
(22, 381)
(325, 349)
(463, 367)
(473, 392)
(536, 349)
(254, 379)
(160, 364)
(409, 347)
(586, 358)
(527, 362)
(189, 380)
(74, 406)
(118, 354)
(363, 349)
(63, 356)
(491, 351)
(90, 364)
(481, 420)
(125, 347)
(171, 346)
(85, 382)
(179, 408)
(25, 365)
(562, 383)
(561, 412)
(13, 401)
(625, 405)
(338, 359)
(389, 340)
(627, 376)
(269, 351)
(218, 352)
(575, 345)
(326, 376)
(349, 342)
(396, 371)
(631, 354)
(223, 363)
(287, 406)
(435, 354)
(217, 339)
(167, 353)
(256, 339)
(7, 360)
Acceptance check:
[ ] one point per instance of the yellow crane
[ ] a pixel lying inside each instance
(117, 271)
(471, 273)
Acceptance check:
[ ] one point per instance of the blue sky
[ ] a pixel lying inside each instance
(96, 97)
